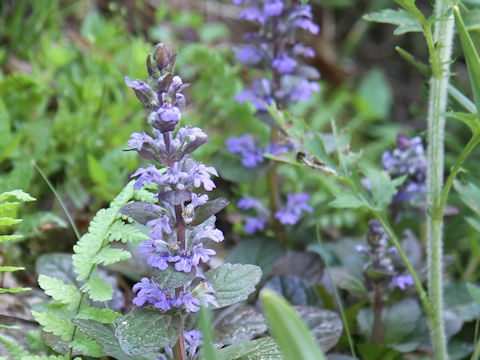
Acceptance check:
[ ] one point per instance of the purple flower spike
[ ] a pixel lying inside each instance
(146, 175)
(252, 13)
(159, 224)
(249, 55)
(273, 7)
(245, 146)
(169, 113)
(194, 340)
(143, 92)
(284, 64)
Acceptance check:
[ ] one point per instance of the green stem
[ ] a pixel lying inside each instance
(440, 57)
(476, 352)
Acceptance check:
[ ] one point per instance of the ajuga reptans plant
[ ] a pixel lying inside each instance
(275, 49)
(181, 222)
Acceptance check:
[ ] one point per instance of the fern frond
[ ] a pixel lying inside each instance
(5, 238)
(126, 233)
(11, 268)
(16, 351)
(19, 194)
(109, 255)
(64, 293)
(8, 208)
(144, 195)
(8, 221)
(86, 346)
(97, 289)
(13, 290)
(105, 316)
(54, 324)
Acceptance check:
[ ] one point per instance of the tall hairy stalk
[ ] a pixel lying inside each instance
(441, 44)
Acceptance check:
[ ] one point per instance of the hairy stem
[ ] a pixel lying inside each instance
(377, 332)
(179, 351)
(440, 60)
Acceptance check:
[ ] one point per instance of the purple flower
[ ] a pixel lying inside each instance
(402, 281)
(299, 49)
(138, 139)
(169, 113)
(306, 24)
(201, 253)
(147, 175)
(245, 145)
(200, 175)
(252, 13)
(149, 292)
(183, 262)
(296, 203)
(273, 7)
(208, 232)
(284, 64)
(254, 224)
(143, 92)
(198, 200)
(156, 253)
(191, 303)
(193, 339)
(159, 224)
(303, 90)
(247, 203)
(249, 55)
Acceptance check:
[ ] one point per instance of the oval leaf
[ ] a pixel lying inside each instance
(233, 283)
(204, 211)
(239, 323)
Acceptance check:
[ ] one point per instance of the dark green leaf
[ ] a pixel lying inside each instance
(145, 330)
(175, 197)
(264, 348)
(294, 289)
(233, 283)
(344, 280)
(239, 323)
(141, 211)
(325, 325)
(212, 207)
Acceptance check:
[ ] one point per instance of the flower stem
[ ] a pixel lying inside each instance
(377, 332)
(440, 60)
(179, 351)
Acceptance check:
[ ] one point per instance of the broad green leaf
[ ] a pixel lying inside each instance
(291, 333)
(105, 316)
(294, 289)
(53, 323)
(141, 211)
(470, 195)
(171, 278)
(59, 291)
(399, 320)
(458, 300)
(239, 323)
(261, 251)
(400, 17)
(263, 348)
(471, 57)
(145, 330)
(325, 325)
(233, 283)
(104, 335)
(97, 289)
(86, 346)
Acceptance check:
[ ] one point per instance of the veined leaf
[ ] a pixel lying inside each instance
(471, 57)
(98, 289)
(119, 231)
(263, 348)
(86, 346)
(346, 200)
(59, 291)
(233, 283)
(145, 330)
(382, 187)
